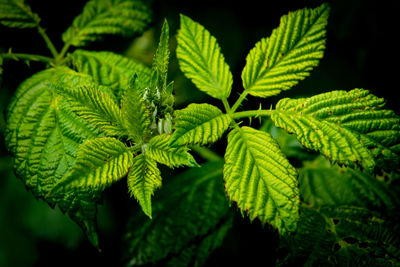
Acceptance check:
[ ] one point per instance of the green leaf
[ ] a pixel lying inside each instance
(17, 14)
(110, 69)
(135, 115)
(201, 60)
(161, 60)
(294, 48)
(199, 124)
(159, 150)
(99, 163)
(190, 219)
(260, 179)
(350, 128)
(345, 236)
(143, 179)
(100, 17)
(43, 135)
(322, 184)
(95, 107)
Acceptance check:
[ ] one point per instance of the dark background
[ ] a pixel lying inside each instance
(361, 52)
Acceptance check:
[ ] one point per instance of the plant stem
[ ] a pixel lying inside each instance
(49, 43)
(226, 105)
(63, 52)
(30, 57)
(206, 153)
(239, 101)
(251, 113)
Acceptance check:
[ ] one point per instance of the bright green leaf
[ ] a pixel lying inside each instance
(110, 69)
(101, 17)
(99, 163)
(191, 216)
(95, 107)
(199, 124)
(351, 128)
(201, 60)
(143, 179)
(260, 179)
(159, 150)
(294, 48)
(17, 14)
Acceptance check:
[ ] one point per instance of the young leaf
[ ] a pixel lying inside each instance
(135, 115)
(110, 69)
(160, 151)
(95, 107)
(100, 17)
(201, 60)
(350, 128)
(99, 163)
(190, 217)
(322, 184)
(294, 48)
(143, 178)
(199, 124)
(44, 136)
(17, 14)
(161, 60)
(260, 179)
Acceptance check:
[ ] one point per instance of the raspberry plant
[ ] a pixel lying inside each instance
(93, 118)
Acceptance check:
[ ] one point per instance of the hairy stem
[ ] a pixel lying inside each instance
(251, 113)
(206, 153)
(48, 42)
(29, 57)
(239, 101)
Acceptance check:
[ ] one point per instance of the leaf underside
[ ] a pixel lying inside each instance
(280, 61)
(100, 17)
(199, 124)
(259, 178)
(201, 60)
(350, 128)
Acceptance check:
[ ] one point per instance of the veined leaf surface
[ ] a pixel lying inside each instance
(199, 124)
(95, 107)
(110, 69)
(17, 14)
(143, 179)
(351, 128)
(43, 134)
(260, 179)
(99, 163)
(201, 60)
(286, 57)
(100, 17)
(159, 150)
